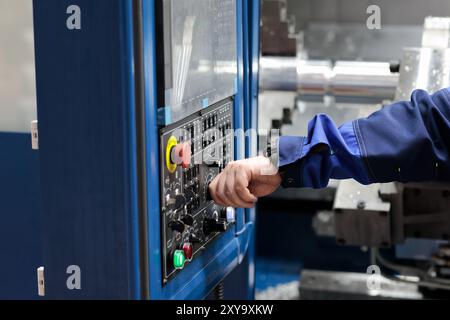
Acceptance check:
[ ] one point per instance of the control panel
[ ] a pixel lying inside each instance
(193, 152)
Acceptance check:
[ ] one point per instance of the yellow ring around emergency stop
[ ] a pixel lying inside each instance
(170, 144)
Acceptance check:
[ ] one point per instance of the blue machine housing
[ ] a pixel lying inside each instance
(20, 228)
(97, 111)
(245, 272)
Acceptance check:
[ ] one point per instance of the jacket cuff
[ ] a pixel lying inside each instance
(290, 164)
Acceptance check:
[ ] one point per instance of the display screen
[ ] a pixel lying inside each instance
(200, 57)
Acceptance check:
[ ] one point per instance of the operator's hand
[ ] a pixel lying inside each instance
(243, 182)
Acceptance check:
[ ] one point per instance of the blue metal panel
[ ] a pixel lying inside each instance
(20, 227)
(240, 101)
(245, 273)
(85, 96)
(224, 254)
(88, 138)
(253, 24)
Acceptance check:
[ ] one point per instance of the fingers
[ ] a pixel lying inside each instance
(221, 189)
(230, 188)
(232, 194)
(213, 187)
(241, 188)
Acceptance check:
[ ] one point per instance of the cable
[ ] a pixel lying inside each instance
(425, 279)
(420, 283)
(402, 269)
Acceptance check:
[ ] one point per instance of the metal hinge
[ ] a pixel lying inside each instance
(41, 281)
(34, 135)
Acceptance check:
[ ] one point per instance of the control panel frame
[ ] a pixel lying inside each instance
(184, 192)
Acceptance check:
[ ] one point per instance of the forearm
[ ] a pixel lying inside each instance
(407, 141)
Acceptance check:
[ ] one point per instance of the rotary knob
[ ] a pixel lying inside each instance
(213, 225)
(175, 203)
(188, 220)
(228, 214)
(177, 225)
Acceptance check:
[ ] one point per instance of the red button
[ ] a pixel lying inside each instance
(181, 154)
(188, 250)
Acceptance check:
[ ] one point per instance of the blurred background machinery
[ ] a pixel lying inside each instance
(330, 62)
(314, 57)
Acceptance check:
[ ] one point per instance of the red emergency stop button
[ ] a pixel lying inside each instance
(181, 154)
(188, 250)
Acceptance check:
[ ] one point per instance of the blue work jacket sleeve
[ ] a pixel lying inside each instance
(405, 142)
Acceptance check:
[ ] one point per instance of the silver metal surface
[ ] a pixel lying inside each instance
(41, 281)
(271, 104)
(347, 80)
(203, 54)
(355, 42)
(283, 291)
(423, 68)
(339, 113)
(394, 12)
(353, 81)
(351, 195)
(436, 33)
(315, 284)
(361, 217)
(278, 73)
(314, 77)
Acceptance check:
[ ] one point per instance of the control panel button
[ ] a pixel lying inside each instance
(212, 225)
(177, 225)
(188, 220)
(179, 259)
(177, 154)
(230, 214)
(181, 154)
(171, 143)
(175, 203)
(188, 250)
(193, 238)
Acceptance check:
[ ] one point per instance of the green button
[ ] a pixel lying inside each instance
(178, 259)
